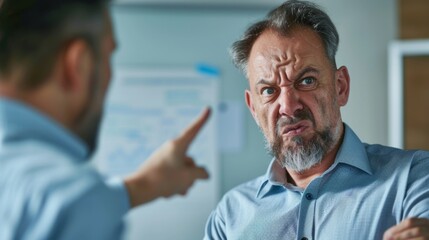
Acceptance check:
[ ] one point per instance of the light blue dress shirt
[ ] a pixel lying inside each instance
(47, 188)
(368, 189)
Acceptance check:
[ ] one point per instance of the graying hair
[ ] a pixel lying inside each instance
(290, 14)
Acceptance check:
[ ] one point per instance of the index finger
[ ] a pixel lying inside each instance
(188, 135)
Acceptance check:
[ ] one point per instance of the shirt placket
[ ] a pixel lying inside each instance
(307, 211)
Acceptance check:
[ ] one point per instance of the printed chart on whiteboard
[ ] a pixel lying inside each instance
(144, 108)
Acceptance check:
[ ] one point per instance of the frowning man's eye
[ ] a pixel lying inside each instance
(268, 91)
(306, 84)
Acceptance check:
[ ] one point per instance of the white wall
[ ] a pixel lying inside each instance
(162, 37)
(365, 29)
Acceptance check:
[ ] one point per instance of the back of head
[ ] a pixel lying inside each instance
(283, 19)
(33, 33)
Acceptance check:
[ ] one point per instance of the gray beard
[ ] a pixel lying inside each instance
(305, 154)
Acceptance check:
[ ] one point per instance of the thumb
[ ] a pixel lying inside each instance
(200, 173)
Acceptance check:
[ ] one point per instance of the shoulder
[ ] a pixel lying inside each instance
(405, 173)
(42, 168)
(232, 205)
(248, 189)
(47, 179)
(241, 195)
(393, 161)
(53, 191)
(381, 152)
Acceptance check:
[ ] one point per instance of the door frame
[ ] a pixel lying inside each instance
(397, 51)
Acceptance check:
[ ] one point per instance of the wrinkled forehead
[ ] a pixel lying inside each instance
(300, 48)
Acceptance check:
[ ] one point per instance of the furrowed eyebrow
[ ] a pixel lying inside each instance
(305, 71)
(264, 82)
(298, 76)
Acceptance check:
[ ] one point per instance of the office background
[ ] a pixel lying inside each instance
(171, 35)
(163, 36)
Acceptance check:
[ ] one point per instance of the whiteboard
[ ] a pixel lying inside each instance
(144, 108)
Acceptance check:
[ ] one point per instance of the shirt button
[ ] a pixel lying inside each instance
(309, 196)
(304, 238)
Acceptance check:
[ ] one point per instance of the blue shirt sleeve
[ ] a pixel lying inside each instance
(416, 202)
(215, 227)
(78, 206)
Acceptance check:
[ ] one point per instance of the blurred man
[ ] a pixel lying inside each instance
(54, 73)
(323, 182)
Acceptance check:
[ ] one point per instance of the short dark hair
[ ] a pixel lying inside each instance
(33, 33)
(290, 14)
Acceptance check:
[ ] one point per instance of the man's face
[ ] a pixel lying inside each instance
(90, 117)
(295, 96)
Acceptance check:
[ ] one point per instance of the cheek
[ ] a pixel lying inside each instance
(326, 111)
(106, 74)
(267, 117)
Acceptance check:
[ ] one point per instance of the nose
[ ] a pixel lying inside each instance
(289, 101)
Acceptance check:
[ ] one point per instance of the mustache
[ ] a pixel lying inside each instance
(303, 114)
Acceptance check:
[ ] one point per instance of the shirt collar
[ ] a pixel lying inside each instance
(20, 122)
(351, 152)
(275, 178)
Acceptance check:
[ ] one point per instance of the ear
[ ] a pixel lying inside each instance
(77, 66)
(342, 85)
(249, 103)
